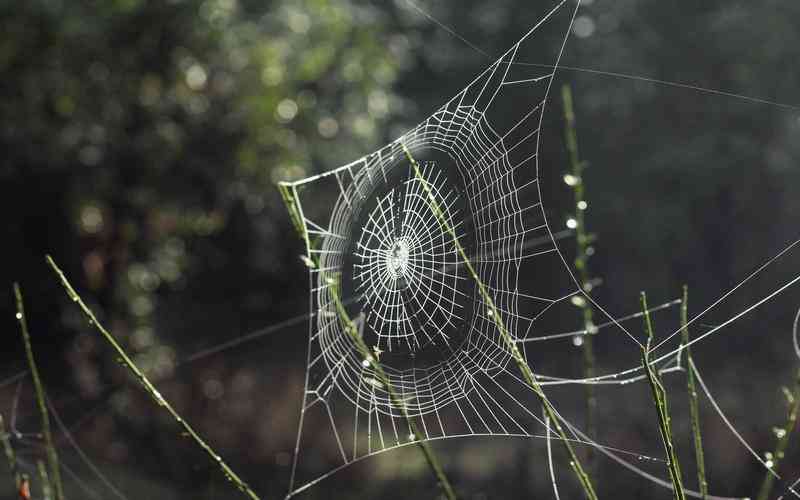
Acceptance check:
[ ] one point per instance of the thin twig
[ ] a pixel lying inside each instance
(148, 386)
(11, 455)
(783, 434)
(52, 454)
(583, 241)
(660, 400)
(508, 339)
(370, 360)
(47, 489)
(82, 454)
(693, 407)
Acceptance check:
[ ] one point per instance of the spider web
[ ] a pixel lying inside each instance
(371, 223)
(414, 303)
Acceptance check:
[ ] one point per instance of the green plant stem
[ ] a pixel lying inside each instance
(692, 390)
(660, 400)
(784, 433)
(289, 195)
(582, 241)
(47, 490)
(11, 456)
(508, 339)
(52, 454)
(148, 386)
(353, 332)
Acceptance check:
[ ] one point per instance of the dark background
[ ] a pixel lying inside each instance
(141, 141)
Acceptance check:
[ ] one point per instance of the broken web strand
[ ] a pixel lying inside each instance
(35, 441)
(67, 435)
(550, 456)
(692, 366)
(749, 277)
(694, 412)
(629, 374)
(726, 421)
(148, 386)
(511, 345)
(600, 326)
(370, 360)
(611, 74)
(660, 399)
(610, 453)
(794, 334)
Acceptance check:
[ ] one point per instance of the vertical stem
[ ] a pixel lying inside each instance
(693, 407)
(508, 339)
(52, 455)
(47, 490)
(582, 241)
(783, 434)
(353, 332)
(11, 456)
(289, 196)
(149, 387)
(660, 400)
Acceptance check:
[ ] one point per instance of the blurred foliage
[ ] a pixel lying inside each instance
(151, 134)
(164, 125)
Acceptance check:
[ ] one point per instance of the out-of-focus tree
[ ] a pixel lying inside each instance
(141, 141)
